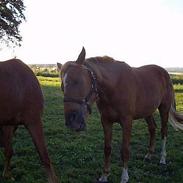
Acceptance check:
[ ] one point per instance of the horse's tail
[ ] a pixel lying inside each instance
(175, 118)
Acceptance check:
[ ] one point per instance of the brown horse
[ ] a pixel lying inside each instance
(122, 94)
(21, 103)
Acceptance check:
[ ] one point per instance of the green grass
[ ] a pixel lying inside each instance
(177, 79)
(78, 157)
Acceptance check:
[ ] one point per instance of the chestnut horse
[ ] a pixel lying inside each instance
(21, 103)
(122, 94)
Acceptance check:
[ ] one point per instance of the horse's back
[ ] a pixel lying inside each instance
(152, 76)
(20, 95)
(151, 69)
(153, 86)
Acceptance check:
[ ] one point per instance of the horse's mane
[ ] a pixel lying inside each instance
(101, 59)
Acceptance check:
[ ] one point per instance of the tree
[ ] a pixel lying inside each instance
(11, 16)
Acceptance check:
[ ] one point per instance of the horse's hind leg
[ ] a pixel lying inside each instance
(7, 136)
(152, 135)
(36, 130)
(164, 113)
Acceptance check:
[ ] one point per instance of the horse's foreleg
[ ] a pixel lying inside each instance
(125, 154)
(107, 126)
(8, 132)
(36, 132)
(152, 135)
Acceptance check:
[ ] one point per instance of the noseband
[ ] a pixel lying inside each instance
(93, 89)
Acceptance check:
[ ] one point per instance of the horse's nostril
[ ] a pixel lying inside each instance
(75, 121)
(73, 116)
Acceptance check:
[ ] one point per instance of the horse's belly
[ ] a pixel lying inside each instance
(10, 116)
(145, 112)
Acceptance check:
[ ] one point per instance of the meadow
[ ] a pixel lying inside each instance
(78, 157)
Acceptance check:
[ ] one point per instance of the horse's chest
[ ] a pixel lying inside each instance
(109, 112)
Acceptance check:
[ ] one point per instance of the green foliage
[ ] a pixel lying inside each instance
(44, 70)
(78, 157)
(177, 79)
(11, 16)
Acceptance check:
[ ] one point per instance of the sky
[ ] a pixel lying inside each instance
(138, 32)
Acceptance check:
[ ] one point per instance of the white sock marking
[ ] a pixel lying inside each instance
(124, 176)
(103, 178)
(163, 151)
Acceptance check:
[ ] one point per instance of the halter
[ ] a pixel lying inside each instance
(93, 89)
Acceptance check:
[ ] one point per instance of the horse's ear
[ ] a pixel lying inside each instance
(59, 66)
(81, 57)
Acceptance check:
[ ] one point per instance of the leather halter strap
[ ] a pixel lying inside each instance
(93, 90)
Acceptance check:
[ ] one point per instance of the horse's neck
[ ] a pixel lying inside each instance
(104, 79)
(100, 71)
(109, 76)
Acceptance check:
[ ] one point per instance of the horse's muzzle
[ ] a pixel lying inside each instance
(75, 121)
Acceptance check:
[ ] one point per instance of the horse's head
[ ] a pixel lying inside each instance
(78, 83)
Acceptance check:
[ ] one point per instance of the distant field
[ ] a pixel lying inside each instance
(50, 70)
(78, 158)
(46, 70)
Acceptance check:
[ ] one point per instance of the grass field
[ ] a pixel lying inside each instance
(78, 157)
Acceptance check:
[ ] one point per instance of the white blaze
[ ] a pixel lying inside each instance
(64, 79)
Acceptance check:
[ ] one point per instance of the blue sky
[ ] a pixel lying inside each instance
(137, 32)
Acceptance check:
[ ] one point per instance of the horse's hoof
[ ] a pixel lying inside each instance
(162, 162)
(103, 179)
(12, 178)
(147, 160)
(8, 176)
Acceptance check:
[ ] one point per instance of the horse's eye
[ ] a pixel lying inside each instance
(75, 82)
(72, 82)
